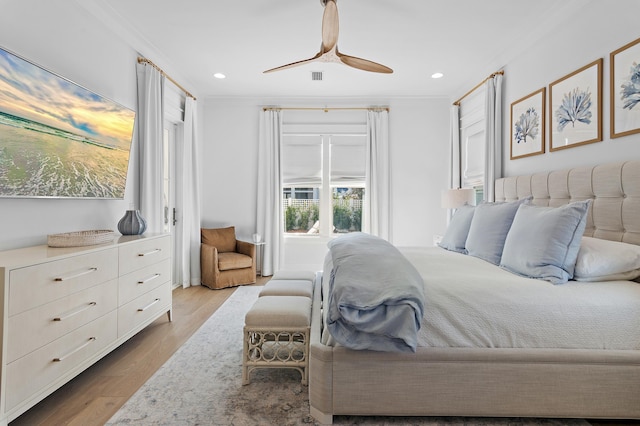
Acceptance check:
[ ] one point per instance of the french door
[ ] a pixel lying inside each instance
(169, 190)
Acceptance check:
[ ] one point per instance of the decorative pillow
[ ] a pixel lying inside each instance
(224, 239)
(543, 242)
(456, 235)
(603, 260)
(489, 228)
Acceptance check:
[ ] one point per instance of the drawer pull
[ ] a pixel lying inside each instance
(75, 311)
(82, 346)
(147, 253)
(148, 306)
(146, 280)
(79, 274)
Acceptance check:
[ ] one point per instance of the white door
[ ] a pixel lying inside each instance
(169, 188)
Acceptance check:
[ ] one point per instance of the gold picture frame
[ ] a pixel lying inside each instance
(528, 125)
(575, 108)
(625, 90)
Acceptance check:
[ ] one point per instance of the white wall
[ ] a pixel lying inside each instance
(63, 38)
(594, 32)
(230, 165)
(419, 138)
(419, 132)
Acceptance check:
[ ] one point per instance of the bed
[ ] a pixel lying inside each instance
(588, 368)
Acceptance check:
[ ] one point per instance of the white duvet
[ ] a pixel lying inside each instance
(472, 303)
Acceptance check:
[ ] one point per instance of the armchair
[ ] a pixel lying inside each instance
(225, 261)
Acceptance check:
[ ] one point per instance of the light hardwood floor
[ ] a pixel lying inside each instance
(96, 394)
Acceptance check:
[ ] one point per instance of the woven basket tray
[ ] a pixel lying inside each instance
(81, 238)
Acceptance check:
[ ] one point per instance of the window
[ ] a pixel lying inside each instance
(473, 142)
(479, 194)
(323, 183)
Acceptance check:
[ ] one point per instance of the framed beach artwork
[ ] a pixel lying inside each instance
(59, 139)
(575, 108)
(527, 125)
(625, 90)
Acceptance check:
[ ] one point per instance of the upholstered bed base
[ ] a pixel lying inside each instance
(471, 382)
(563, 383)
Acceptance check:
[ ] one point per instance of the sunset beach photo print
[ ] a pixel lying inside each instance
(58, 139)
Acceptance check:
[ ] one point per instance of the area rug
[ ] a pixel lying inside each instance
(201, 384)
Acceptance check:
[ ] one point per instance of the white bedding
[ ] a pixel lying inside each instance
(472, 303)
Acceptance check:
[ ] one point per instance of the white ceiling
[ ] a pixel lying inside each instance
(464, 39)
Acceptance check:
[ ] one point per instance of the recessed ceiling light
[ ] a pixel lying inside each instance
(437, 75)
(219, 75)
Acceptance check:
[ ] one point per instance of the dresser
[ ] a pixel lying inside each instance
(65, 308)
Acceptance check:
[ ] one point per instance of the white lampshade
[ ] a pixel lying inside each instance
(454, 198)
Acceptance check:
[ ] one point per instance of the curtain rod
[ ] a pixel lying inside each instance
(325, 109)
(147, 61)
(478, 85)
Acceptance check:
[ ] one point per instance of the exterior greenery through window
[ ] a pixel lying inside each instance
(323, 183)
(302, 215)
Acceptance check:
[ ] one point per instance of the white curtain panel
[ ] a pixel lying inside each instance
(150, 153)
(454, 152)
(376, 212)
(187, 230)
(454, 147)
(269, 222)
(493, 147)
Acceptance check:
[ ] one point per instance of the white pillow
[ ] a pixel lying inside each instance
(604, 260)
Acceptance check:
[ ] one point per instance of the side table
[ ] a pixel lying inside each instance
(259, 256)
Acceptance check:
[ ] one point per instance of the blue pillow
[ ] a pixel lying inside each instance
(489, 228)
(456, 235)
(543, 242)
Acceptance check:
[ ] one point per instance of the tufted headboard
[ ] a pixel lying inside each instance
(614, 188)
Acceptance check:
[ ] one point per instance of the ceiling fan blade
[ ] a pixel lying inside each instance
(293, 64)
(364, 64)
(329, 47)
(330, 27)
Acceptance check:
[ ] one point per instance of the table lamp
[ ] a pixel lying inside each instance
(454, 198)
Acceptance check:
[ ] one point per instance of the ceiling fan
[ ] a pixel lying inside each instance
(329, 47)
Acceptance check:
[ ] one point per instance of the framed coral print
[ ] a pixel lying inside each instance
(575, 108)
(527, 125)
(625, 90)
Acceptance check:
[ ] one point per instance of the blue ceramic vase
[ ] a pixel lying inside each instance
(132, 223)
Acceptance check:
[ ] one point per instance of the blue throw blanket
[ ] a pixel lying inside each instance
(376, 297)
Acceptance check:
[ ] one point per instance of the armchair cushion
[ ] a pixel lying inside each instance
(224, 239)
(230, 260)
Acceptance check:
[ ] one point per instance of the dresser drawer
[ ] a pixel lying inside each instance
(42, 283)
(143, 280)
(143, 253)
(37, 327)
(143, 308)
(34, 372)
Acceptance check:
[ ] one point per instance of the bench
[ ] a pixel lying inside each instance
(277, 327)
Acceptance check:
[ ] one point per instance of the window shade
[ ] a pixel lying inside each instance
(348, 161)
(302, 161)
(174, 99)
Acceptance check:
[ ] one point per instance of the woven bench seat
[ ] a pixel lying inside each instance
(276, 335)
